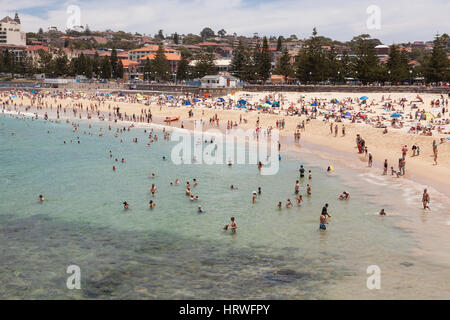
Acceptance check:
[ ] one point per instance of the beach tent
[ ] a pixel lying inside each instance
(428, 116)
(364, 98)
(347, 115)
(265, 105)
(220, 99)
(239, 106)
(276, 104)
(196, 100)
(396, 115)
(170, 97)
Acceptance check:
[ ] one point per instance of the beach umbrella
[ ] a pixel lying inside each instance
(364, 98)
(242, 102)
(220, 99)
(187, 102)
(347, 115)
(196, 100)
(396, 115)
(275, 104)
(334, 100)
(206, 95)
(265, 105)
(314, 104)
(268, 102)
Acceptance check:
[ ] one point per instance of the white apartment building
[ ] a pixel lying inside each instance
(10, 32)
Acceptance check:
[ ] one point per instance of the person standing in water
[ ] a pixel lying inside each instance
(426, 199)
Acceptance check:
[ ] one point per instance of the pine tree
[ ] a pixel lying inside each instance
(175, 38)
(182, 70)
(161, 65)
(284, 66)
(264, 69)
(96, 64)
(240, 65)
(106, 68)
(437, 66)
(280, 43)
(119, 70)
(114, 63)
(397, 65)
(147, 69)
(367, 62)
(311, 61)
(205, 64)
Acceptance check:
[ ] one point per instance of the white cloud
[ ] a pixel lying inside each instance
(400, 20)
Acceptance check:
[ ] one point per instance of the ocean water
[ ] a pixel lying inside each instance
(174, 252)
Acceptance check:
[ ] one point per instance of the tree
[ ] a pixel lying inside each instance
(61, 64)
(398, 65)
(437, 65)
(205, 64)
(222, 33)
(40, 32)
(147, 69)
(114, 61)
(207, 33)
(160, 35)
(45, 62)
(280, 43)
(183, 66)
(367, 62)
(240, 65)
(119, 70)
(96, 64)
(161, 65)
(175, 38)
(311, 60)
(106, 68)
(87, 31)
(265, 66)
(284, 66)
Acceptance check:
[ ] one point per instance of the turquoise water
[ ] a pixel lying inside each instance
(172, 251)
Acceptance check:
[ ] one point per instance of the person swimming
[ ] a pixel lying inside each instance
(152, 204)
(299, 200)
(200, 209)
(41, 198)
(288, 203)
(233, 226)
(125, 205)
(344, 196)
(279, 205)
(382, 212)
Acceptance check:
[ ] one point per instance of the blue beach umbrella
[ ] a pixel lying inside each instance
(196, 100)
(187, 102)
(242, 102)
(220, 99)
(314, 104)
(396, 115)
(276, 104)
(364, 98)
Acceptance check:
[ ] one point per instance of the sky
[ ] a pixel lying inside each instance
(391, 21)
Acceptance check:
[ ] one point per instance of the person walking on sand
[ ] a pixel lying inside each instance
(385, 167)
(370, 159)
(426, 199)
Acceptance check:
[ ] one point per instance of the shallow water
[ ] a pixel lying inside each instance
(172, 252)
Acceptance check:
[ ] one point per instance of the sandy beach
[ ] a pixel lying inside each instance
(381, 145)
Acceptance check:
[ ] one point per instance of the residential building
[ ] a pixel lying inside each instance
(11, 33)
